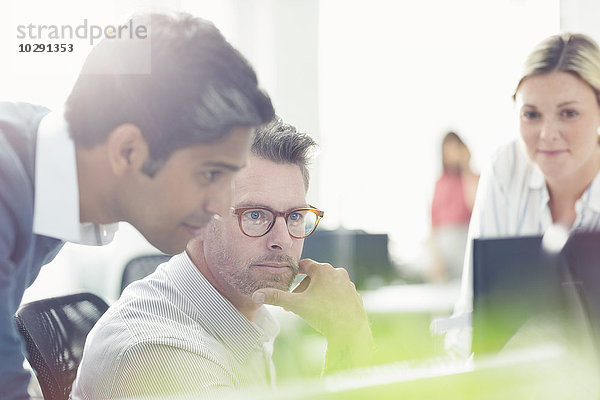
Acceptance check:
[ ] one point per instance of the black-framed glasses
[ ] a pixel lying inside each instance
(258, 221)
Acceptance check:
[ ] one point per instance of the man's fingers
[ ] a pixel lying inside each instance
(307, 266)
(343, 272)
(274, 297)
(311, 267)
(301, 287)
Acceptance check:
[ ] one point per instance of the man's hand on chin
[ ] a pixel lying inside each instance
(328, 301)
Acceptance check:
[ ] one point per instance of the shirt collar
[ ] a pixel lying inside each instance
(56, 204)
(218, 315)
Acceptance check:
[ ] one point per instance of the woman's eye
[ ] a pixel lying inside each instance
(254, 214)
(569, 113)
(530, 114)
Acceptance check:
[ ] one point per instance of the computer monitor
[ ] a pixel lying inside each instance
(514, 279)
(582, 253)
(364, 255)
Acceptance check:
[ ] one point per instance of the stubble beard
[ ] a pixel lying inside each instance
(243, 276)
(246, 279)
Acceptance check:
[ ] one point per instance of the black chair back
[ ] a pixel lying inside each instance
(54, 331)
(141, 267)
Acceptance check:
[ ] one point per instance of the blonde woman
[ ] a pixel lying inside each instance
(550, 175)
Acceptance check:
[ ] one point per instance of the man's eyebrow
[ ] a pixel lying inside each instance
(224, 165)
(260, 205)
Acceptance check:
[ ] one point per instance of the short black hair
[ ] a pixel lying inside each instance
(283, 144)
(199, 88)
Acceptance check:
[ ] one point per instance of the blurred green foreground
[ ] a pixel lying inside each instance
(410, 363)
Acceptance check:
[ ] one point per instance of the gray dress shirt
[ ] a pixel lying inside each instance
(174, 333)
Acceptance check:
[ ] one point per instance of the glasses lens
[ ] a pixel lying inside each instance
(301, 223)
(256, 222)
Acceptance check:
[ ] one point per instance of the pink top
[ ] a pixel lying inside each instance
(449, 206)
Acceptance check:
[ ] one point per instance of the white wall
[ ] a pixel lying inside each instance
(394, 76)
(580, 16)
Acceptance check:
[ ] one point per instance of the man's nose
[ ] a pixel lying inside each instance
(279, 237)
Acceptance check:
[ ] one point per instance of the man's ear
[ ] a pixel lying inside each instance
(127, 149)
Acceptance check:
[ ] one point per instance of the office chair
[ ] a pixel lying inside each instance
(54, 331)
(141, 267)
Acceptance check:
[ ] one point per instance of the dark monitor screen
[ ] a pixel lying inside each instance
(513, 281)
(582, 253)
(364, 255)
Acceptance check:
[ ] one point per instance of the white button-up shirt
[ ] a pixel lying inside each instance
(56, 203)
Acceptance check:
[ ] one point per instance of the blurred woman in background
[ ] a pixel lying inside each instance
(451, 208)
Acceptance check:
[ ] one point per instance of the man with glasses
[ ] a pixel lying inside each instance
(198, 324)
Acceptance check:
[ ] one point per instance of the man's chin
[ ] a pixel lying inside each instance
(284, 284)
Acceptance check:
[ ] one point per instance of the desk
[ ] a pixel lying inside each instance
(542, 372)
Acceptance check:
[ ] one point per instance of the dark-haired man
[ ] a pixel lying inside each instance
(156, 148)
(198, 324)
